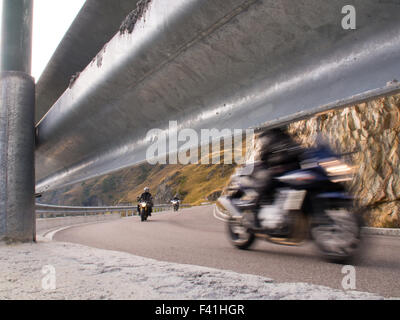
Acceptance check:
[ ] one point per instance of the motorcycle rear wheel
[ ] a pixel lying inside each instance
(338, 237)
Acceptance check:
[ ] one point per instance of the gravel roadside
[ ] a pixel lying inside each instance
(87, 273)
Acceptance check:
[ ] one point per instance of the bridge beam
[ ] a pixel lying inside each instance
(17, 133)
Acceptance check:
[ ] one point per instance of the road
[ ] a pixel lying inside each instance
(194, 236)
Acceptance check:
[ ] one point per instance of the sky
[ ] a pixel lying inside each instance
(51, 19)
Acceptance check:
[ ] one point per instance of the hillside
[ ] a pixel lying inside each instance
(194, 183)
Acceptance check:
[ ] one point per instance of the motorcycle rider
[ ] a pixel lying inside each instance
(176, 198)
(276, 152)
(147, 197)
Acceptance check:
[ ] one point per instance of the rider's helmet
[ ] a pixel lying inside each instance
(146, 189)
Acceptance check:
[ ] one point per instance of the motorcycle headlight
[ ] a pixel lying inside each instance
(338, 169)
(143, 204)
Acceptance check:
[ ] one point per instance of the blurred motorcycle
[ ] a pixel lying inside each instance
(175, 204)
(307, 202)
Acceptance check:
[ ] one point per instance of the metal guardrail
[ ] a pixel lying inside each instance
(53, 211)
(83, 40)
(210, 64)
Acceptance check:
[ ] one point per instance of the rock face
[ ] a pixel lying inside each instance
(372, 130)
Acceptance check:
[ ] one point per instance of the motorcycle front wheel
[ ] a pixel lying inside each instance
(240, 235)
(143, 216)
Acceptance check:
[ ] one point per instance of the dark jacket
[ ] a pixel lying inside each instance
(146, 196)
(279, 149)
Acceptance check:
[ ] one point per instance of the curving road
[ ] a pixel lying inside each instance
(195, 236)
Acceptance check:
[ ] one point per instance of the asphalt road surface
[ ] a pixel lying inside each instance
(194, 236)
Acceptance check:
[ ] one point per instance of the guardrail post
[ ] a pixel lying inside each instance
(17, 134)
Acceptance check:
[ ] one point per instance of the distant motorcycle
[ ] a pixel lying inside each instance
(310, 201)
(175, 204)
(144, 210)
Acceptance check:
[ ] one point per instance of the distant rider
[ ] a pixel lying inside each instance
(147, 197)
(176, 198)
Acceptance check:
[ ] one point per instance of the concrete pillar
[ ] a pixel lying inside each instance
(17, 133)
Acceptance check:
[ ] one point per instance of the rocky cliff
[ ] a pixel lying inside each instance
(372, 130)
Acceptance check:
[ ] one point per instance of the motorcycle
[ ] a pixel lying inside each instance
(175, 204)
(308, 202)
(144, 210)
